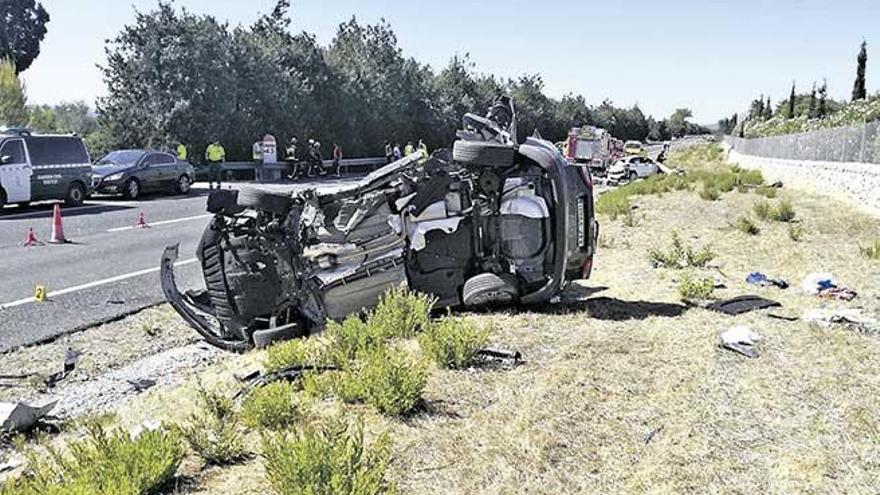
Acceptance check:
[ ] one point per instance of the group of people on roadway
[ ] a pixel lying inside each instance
(308, 160)
(393, 153)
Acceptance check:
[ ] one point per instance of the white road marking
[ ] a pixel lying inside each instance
(48, 213)
(163, 222)
(96, 283)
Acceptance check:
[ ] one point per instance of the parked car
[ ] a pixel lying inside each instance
(491, 221)
(632, 168)
(42, 167)
(133, 172)
(635, 148)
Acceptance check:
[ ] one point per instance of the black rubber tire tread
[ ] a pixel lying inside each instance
(487, 288)
(68, 200)
(278, 204)
(125, 189)
(483, 153)
(177, 189)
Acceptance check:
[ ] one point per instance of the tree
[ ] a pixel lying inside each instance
(791, 100)
(677, 122)
(768, 109)
(823, 96)
(22, 29)
(859, 92)
(811, 110)
(12, 96)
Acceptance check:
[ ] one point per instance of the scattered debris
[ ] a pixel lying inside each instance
(20, 416)
(782, 317)
(289, 374)
(825, 286)
(742, 304)
(503, 357)
(141, 384)
(741, 339)
(852, 318)
(838, 294)
(653, 433)
(10, 465)
(758, 278)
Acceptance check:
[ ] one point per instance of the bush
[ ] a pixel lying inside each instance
(709, 193)
(103, 463)
(274, 406)
(385, 378)
(680, 256)
(630, 219)
(690, 287)
(402, 313)
(766, 191)
(214, 432)
(453, 342)
(795, 232)
(871, 251)
(327, 459)
(763, 210)
(614, 203)
(745, 225)
(297, 352)
(350, 338)
(784, 212)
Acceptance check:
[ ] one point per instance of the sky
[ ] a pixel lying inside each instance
(713, 57)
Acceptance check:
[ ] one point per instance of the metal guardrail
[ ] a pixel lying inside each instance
(275, 171)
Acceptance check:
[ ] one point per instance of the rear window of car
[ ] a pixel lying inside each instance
(57, 150)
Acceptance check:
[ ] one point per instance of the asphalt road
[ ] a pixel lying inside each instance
(109, 269)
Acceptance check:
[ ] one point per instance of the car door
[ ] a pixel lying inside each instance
(149, 173)
(15, 171)
(167, 170)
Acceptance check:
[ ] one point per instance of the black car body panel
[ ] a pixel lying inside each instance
(153, 170)
(491, 221)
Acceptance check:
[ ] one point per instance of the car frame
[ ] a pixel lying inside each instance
(149, 171)
(491, 221)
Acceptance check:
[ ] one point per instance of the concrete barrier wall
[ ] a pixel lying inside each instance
(856, 183)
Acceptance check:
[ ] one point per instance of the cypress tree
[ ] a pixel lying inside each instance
(811, 112)
(791, 99)
(823, 97)
(768, 109)
(859, 92)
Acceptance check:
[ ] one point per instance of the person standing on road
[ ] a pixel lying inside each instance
(292, 158)
(396, 152)
(423, 149)
(389, 153)
(409, 149)
(257, 155)
(182, 153)
(215, 155)
(337, 157)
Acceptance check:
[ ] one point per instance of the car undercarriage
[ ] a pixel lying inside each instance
(489, 222)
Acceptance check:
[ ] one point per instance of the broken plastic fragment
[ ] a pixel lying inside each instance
(21, 416)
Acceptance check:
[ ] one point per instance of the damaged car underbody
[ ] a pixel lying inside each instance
(491, 221)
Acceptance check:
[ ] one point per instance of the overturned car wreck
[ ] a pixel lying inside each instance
(492, 221)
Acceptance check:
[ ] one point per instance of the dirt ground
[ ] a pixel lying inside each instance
(624, 388)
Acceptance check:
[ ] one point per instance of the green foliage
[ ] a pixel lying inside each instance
(709, 193)
(351, 338)
(105, 462)
(402, 313)
(22, 31)
(766, 191)
(328, 459)
(273, 406)
(614, 203)
(630, 219)
(691, 287)
(838, 115)
(784, 212)
(12, 97)
(680, 256)
(296, 352)
(871, 251)
(762, 209)
(859, 92)
(214, 432)
(385, 378)
(745, 225)
(795, 232)
(453, 342)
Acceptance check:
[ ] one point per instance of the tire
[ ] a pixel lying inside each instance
(488, 288)
(633, 176)
(483, 153)
(76, 194)
(278, 204)
(131, 189)
(2, 198)
(183, 185)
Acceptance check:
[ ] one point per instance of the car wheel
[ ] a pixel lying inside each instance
(278, 204)
(2, 197)
(633, 175)
(131, 189)
(183, 185)
(488, 288)
(76, 194)
(483, 153)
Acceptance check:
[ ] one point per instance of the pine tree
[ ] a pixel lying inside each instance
(768, 110)
(12, 97)
(823, 97)
(791, 99)
(811, 112)
(859, 92)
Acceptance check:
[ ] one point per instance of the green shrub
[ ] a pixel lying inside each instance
(709, 193)
(297, 352)
(273, 406)
(690, 287)
(630, 219)
(795, 232)
(784, 212)
(680, 256)
(453, 342)
(103, 463)
(766, 191)
(745, 225)
(385, 378)
(614, 203)
(214, 432)
(328, 459)
(402, 313)
(750, 178)
(762, 210)
(350, 338)
(871, 251)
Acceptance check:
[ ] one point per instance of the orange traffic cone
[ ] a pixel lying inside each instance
(31, 238)
(57, 228)
(142, 222)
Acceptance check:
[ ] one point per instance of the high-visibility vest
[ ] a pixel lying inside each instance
(258, 151)
(408, 150)
(181, 152)
(215, 153)
(423, 150)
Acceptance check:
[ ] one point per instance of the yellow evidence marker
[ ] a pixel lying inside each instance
(41, 294)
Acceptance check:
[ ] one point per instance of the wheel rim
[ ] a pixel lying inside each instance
(183, 183)
(133, 189)
(75, 194)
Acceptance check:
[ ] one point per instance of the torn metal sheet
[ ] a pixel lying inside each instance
(21, 416)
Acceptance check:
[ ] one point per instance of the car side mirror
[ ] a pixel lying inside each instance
(5, 159)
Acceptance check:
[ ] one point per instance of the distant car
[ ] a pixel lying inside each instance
(635, 148)
(133, 172)
(632, 168)
(41, 167)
